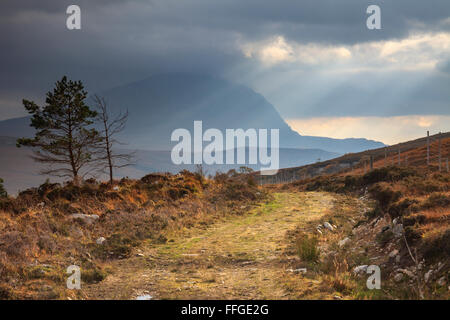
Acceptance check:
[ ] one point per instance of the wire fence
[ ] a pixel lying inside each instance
(408, 154)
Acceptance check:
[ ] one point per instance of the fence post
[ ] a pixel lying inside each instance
(398, 156)
(428, 148)
(447, 164)
(439, 151)
(371, 162)
(385, 156)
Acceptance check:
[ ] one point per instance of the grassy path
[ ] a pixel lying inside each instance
(241, 257)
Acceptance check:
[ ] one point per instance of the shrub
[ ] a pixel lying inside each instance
(3, 193)
(93, 275)
(384, 237)
(387, 174)
(436, 200)
(384, 194)
(401, 208)
(438, 247)
(307, 248)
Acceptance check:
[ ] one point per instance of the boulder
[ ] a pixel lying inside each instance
(100, 240)
(328, 226)
(393, 253)
(398, 277)
(360, 269)
(86, 218)
(398, 230)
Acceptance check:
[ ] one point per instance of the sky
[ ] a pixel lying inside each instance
(315, 60)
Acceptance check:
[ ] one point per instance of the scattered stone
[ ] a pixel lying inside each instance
(116, 188)
(407, 272)
(441, 281)
(336, 297)
(144, 297)
(360, 269)
(398, 277)
(139, 255)
(100, 240)
(440, 266)
(328, 226)
(300, 270)
(397, 259)
(344, 241)
(319, 231)
(87, 218)
(421, 264)
(398, 230)
(428, 275)
(393, 253)
(395, 221)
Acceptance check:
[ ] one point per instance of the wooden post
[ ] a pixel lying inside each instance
(446, 162)
(439, 151)
(399, 156)
(371, 162)
(428, 148)
(406, 160)
(385, 156)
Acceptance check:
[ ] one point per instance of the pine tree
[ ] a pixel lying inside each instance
(63, 139)
(3, 192)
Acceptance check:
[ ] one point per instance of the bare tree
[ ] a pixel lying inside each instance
(107, 157)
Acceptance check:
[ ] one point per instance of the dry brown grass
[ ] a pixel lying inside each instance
(38, 233)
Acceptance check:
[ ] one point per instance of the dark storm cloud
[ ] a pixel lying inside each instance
(122, 41)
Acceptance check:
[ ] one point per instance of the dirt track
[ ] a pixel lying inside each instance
(241, 257)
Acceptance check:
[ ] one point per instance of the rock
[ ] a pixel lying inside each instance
(344, 241)
(398, 277)
(397, 259)
(116, 188)
(100, 240)
(441, 281)
(439, 267)
(428, 275)
(360, 269)
(328, 226)
(87, 218)
(393, 253)
(144, 297)
(319, 231)
(421, 264)
(407, 272)
(336, 297)
(398, 230)
(139, 255)
(300, 270)
(395, 221)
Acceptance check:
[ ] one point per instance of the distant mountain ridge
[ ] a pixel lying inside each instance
(162, 103)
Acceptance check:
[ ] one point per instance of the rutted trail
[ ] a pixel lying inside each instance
(241, 257)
